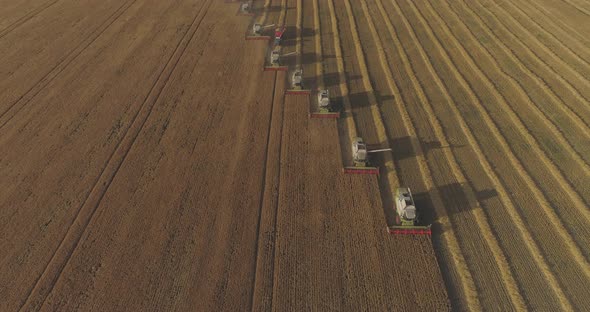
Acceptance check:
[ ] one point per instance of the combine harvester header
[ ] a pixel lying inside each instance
(407, 216)
(360, 156)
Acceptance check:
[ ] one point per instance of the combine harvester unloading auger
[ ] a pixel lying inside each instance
(407, 216)
(360, 157)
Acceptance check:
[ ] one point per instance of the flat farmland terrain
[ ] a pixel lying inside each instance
(149, 163)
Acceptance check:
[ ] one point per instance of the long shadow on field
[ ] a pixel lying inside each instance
(271, 9)
(333, 79)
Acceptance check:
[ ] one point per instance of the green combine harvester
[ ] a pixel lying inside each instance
(407, 217)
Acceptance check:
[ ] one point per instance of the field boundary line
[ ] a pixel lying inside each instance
(52, 272)
(564, 301)
(25, 18)
(478, 214)
(553, 128)
(515, 119)
(54, 72)
(576, 119)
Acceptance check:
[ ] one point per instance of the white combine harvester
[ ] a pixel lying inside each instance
(257, 32)
(274, 59)
(324, 106)
(407, 216)
(297, 83)
(360, 157)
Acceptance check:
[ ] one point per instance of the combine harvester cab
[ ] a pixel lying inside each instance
(297, 84)
(258, 32)
(324, 107)
(274, 61)
(407, 216)
(360, 156)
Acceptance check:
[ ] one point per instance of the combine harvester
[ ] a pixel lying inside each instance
(407, 217)
(324, 106)
(297, 83)
(258, 32)
(246, 9)
(360, 157)
(275, 60)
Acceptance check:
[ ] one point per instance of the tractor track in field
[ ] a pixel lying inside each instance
(262, 195)
(488, 168)
(47, 280)
(480, 217)
(54, 72)
(555, 172)
(26, 18)
(525, 97)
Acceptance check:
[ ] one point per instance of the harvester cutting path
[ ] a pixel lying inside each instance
(360, 157)
(407, 216)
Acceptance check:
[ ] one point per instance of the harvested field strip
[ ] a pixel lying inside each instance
(26, 17)
(47, 280)
(264, 17)
(560, 28)
(480, 217)
(578, 6)
(571, 73)
(13, 108)
(389, 182)
(347, 117)
(319, 56)
(504, 196)
(571, 52)
(490, 89)
(474, 99)
(580, 135)
(450, 240)
(543, 79)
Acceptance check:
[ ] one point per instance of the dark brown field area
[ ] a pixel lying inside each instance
(148, 163)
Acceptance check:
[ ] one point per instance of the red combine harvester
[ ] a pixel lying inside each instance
(279, 31)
